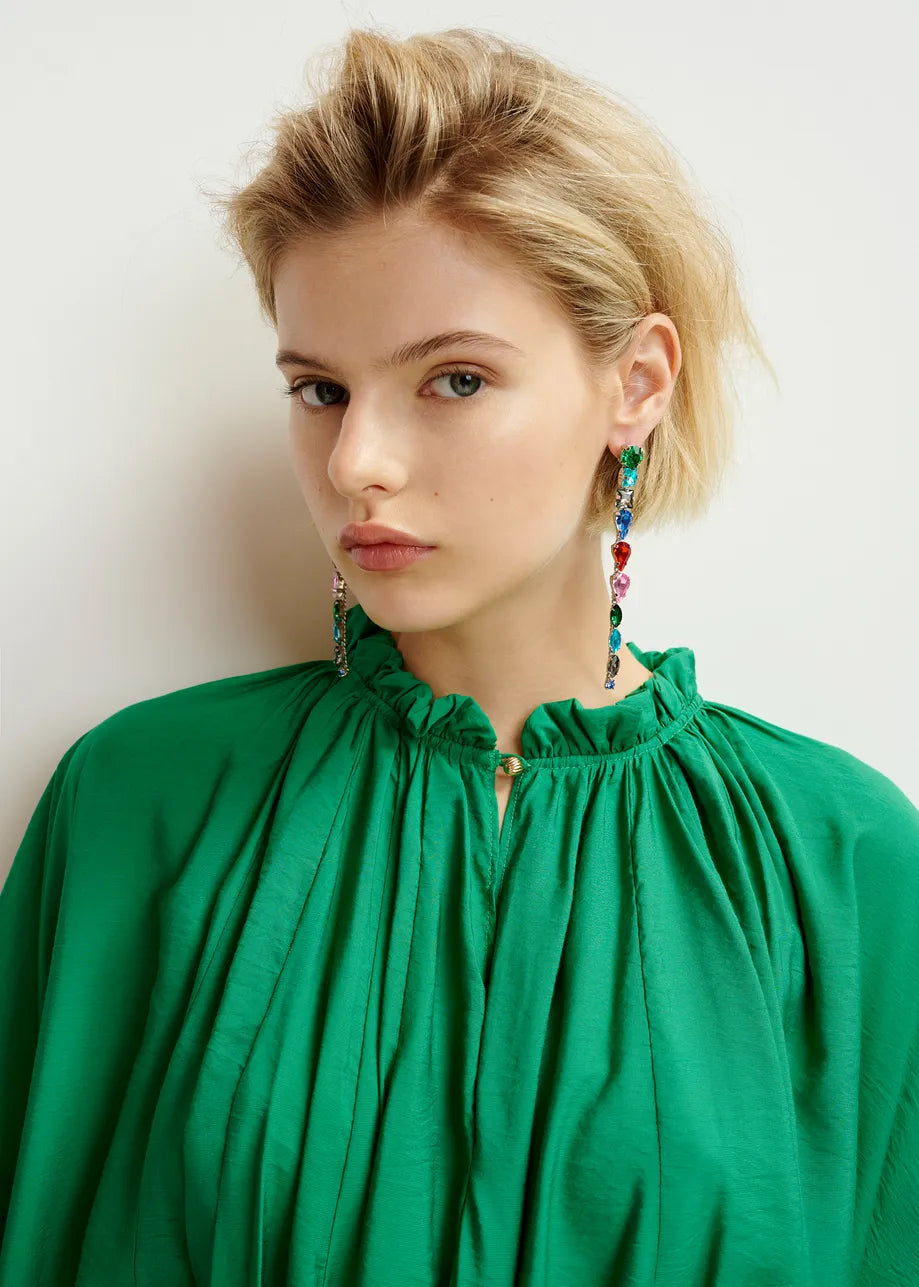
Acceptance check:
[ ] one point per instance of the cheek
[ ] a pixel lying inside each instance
(521, 497)
(537, 479)
(310, 470)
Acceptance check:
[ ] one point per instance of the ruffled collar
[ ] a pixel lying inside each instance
(650, 713)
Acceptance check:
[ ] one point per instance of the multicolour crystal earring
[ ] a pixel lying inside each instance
(619, 582)
(339, 623)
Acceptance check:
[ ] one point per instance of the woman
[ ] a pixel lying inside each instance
(479, 953)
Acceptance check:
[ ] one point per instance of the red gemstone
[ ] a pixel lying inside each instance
(621, 552)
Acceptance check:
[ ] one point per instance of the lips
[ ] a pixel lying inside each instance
(385, 556)
(376, 534)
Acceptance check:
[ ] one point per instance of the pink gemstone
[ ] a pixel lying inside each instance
(336, 581)
(620, 584)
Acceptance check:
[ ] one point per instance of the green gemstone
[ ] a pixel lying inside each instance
(630, 457)
(336, 611)
(615, 615)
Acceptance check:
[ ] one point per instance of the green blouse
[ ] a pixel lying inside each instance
(281, 1006)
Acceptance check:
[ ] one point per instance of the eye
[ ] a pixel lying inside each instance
(459, 370)
(294, 389)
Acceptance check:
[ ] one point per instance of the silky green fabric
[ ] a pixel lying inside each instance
(280, 1006)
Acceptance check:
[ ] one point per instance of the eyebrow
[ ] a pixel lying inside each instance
(415, 351)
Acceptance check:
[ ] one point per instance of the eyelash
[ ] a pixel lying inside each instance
(450, 370)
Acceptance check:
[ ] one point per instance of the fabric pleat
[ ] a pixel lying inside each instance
(281, 1006)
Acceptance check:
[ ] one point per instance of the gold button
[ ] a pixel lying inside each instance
(512, 765)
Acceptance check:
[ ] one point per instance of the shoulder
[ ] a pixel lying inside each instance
(159, 763)
(247, 712)
(849, 830)
(824, 780)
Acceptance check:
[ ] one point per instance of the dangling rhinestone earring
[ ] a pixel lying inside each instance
(619, 582)
(339, 623)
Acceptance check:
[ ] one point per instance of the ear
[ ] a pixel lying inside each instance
(647, 376)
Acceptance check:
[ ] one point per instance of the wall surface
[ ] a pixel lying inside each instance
(153, 535)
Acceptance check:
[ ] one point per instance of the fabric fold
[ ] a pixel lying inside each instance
(553, 729)
(282, 1007)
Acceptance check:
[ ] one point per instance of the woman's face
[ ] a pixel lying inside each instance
(493, 466)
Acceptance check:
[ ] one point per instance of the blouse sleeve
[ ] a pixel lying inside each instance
(887, 880)
(30, 903)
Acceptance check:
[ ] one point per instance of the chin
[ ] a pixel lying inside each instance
(406, 608)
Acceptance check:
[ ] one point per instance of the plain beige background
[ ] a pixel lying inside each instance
(152, 533)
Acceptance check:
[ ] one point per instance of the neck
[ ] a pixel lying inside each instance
(545, 642)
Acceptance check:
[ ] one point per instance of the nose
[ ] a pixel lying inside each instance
(365, 455)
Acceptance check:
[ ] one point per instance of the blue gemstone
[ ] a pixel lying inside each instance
(623, 522)
(615, 640)
(628, 477)
(336, 631)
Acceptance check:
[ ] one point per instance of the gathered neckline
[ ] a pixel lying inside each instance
(558, 729)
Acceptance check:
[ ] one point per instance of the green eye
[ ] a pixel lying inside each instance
(293, 389)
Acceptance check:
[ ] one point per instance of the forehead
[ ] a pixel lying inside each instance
(399, 279)
(396, 254)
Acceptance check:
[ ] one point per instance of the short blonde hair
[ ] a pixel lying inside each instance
(571, 183)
